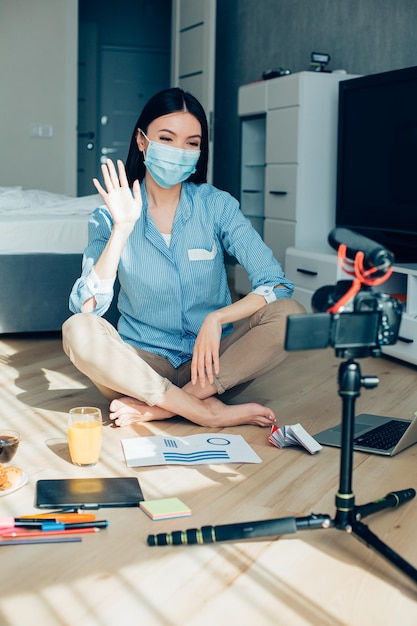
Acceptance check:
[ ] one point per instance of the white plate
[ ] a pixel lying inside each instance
(23, 481)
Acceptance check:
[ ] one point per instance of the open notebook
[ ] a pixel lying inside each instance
(374, 434)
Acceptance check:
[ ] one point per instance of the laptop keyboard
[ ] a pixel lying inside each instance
(383, 437)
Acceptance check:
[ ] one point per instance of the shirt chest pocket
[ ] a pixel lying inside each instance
(201, 254)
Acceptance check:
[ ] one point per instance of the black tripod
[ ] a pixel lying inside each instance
(348, 516)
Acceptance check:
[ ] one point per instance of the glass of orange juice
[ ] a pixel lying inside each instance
(85, 429)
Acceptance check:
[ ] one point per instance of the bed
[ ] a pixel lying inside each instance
(42, 237)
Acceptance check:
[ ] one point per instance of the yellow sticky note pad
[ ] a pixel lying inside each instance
(165, 508)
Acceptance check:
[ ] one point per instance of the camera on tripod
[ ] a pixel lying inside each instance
(350, 317)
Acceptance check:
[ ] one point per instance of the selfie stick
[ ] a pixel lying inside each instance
(348, 515)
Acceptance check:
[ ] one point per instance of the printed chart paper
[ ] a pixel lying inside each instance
(204, 449)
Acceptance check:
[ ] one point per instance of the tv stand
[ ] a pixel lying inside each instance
(311, 269)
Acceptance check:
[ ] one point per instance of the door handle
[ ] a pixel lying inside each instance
(308, 272)
(405, 339)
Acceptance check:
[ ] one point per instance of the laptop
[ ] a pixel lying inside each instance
(374, 434)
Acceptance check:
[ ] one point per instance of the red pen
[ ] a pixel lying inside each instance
(17, 532)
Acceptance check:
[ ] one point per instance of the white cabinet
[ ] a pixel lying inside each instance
(252, 99)
(296, 182)
(403, 285)
(301, 158)
(309, 270)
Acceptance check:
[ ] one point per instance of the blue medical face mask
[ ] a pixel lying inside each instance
(169, 166)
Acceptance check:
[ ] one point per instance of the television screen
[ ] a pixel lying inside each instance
(377, 160)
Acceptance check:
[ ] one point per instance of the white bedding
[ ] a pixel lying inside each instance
(39, 221)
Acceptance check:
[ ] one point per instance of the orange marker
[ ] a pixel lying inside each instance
(67, 518)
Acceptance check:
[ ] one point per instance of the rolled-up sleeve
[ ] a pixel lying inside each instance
(88, 285)
(270, 294)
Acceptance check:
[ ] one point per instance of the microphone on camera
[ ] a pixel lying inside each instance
(375, 255)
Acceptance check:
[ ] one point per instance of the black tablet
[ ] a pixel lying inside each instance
(88, 493)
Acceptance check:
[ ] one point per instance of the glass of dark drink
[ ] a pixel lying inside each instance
(9, 442)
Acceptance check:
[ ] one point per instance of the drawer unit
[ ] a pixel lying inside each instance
(310, 270)
(288, 158)
(252, 98)
(276, 235)
(280, 191)
(282, 135)
(284, 91)
(406, 346)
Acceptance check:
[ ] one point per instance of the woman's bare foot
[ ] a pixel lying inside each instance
(125, 411)
(222, 415)
(210, 412)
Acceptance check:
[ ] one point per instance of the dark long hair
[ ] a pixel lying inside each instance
(163, 103)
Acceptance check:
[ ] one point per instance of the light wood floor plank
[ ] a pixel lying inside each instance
(314, 577)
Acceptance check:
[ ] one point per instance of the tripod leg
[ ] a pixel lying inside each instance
(362, 531)
(350, 382)
(242, 530)
(392, 500)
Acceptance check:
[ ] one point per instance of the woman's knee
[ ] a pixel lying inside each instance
(77, 332)
(279, 310)
(69, 327)
(295, 308)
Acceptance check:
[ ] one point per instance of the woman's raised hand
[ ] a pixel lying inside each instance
(124, 207)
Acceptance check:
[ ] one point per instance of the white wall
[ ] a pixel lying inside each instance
(38, 85)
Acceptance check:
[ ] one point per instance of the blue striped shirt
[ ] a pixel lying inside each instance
(167, 292)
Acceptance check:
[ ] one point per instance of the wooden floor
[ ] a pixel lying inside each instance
(315, 577)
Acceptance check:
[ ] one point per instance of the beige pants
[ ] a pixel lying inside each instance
(118, 369)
